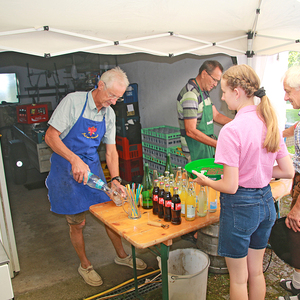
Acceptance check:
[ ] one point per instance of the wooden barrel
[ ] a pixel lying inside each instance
(207, 241)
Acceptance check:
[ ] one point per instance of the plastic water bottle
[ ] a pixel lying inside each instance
(97, 183)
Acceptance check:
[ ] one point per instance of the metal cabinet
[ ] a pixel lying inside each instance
(39, 154)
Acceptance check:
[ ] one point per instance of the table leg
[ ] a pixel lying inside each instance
(135, 274)
(164, 271)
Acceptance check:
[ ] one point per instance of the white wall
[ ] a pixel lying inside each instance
(159, 84)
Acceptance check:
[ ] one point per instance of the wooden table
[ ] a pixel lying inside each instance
(141, 235)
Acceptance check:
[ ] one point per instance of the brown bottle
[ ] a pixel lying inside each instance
(167, 204)
(155, 193)
(161, 200)
(176, 208)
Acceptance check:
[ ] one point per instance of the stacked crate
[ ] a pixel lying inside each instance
(128, 134)
(157, 143)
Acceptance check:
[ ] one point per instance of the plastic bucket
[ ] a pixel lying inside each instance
(187, 274)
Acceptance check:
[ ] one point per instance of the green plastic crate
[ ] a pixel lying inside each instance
(161, 136)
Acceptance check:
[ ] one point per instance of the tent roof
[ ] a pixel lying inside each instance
(159, 27)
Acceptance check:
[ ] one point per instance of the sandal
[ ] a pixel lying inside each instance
(292, 290)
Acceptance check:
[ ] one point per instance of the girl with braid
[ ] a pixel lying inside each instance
(247, 148)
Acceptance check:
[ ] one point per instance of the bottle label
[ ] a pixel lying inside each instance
(168, 203)
(161, 201)
(190, 211)
(89, 175)
(176, 206)
(155, 198)
(213, 205)
(183, 209)
(99, 184)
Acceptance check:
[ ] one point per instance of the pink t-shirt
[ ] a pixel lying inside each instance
(240, 144)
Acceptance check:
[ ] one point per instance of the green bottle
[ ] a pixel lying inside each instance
(168, 165)
(147, 189)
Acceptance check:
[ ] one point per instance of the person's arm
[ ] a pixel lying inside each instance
(220, 118)
(289, 131)
(79, 168)
(194, 133)
(112, 161)
(284, 168)
(292, 220)
(228, 184)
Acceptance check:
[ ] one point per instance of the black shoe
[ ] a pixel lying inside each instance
(292, 290)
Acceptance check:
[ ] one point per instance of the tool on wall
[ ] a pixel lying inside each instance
(34, 90)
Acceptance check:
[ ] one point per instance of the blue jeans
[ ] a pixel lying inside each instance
(246, 220)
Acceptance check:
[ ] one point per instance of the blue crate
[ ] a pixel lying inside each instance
(131, 94)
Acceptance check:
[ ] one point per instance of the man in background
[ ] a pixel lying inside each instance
(291, 85)
(197, 113)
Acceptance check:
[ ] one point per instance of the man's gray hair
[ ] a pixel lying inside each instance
(292, 77)
(115, 74)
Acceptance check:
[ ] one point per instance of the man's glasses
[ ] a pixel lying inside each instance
(112, 96)
(215, 80)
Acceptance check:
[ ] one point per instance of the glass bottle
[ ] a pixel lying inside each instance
(213, 204)
(167, 175)
(178, 173)
(190, 206)
(147, 188)
(184, 175)
(155, 193)
(166, 181)
(172, 184)
(202, 202)
(168, 165)
(154, 176)
(183, 196)
(97, 183)
(167, 204)
(176, 208)
(161, 200)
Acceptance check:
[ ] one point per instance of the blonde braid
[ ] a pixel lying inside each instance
(244, 76)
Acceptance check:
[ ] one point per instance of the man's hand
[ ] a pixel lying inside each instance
(80, 170)
(293, 218)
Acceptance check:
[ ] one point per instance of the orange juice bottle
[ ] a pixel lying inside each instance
(183, 196)
(190, 205)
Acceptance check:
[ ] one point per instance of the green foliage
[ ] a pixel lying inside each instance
(292, 115)
(291, 149)
(294, 58)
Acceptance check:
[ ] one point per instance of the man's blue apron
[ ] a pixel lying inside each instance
(66, 195)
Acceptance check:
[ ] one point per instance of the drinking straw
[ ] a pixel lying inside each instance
(134, 212)
(139, 190)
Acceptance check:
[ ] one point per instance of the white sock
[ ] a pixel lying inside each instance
(291, 298)
(296, 279)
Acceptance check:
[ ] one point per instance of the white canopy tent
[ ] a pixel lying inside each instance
(164, 28)
(159, 27)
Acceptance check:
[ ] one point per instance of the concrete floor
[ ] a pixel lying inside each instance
(48, 261)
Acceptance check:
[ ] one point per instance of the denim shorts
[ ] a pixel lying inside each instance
(246, 220)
